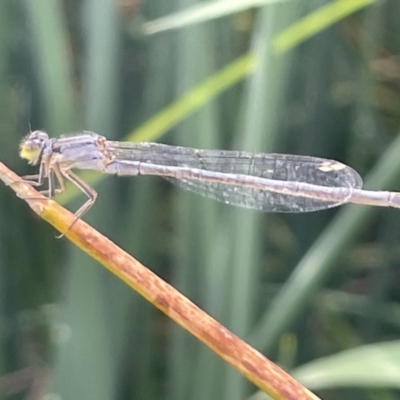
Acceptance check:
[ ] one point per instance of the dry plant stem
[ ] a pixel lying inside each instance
(252, 364)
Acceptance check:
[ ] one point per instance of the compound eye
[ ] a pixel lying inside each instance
(39, 136)
(32, 145)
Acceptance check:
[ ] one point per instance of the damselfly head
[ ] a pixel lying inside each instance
(32, 145)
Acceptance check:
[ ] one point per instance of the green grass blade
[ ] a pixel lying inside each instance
(194, 99)
(53, 65)
(316, 22)
(202, 12)
(376, 365)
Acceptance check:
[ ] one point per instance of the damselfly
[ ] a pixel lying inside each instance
(266, 182)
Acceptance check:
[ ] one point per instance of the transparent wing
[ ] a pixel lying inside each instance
(281, 167)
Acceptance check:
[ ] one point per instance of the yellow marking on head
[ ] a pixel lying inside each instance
(29, 152)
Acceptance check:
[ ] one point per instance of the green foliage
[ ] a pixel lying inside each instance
(374, 365)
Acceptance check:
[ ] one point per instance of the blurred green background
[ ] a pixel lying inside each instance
(318, 293)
